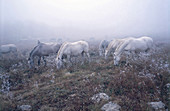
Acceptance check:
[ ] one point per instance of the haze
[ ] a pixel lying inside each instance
(83, 19)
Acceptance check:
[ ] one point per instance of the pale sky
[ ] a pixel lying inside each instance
(98, 18)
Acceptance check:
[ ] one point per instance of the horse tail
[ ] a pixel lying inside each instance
(86, 49)
(153, 46)
(150, 43)
(86, 46)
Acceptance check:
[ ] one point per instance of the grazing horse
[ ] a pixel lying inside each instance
(8, 48)
(142, 44)
(102, 47)
(42, 50)
(72, 49)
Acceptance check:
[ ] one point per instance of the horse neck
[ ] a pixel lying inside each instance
(56, 47)
(32, 54)
(101, 43)
(120, 48)
(61, 50)
(110, 45)
(107, 44)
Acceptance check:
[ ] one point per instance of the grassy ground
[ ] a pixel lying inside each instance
(132, 86)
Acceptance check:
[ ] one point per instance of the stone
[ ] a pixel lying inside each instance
(25, 107)
(157, 105)
(100, 96)
(110, 107)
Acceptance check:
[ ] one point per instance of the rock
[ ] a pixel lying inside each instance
(100, 96)
(166, 65)
(72, 95)
(68, 74)
(149, 75)
(93, 74)
(111, 107)
(52, 81)
(157, 105)
(168, 85)
(25, 107)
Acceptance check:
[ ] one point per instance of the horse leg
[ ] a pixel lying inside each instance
(112, 53)
(69, 61)
(83, 56)
(127, 57)
(133, 55)
(39, 60)
(32, 62)
(45, 62)
(104, 51)
(100, 52)
(14, 53)
(88, 55)
(148, 52)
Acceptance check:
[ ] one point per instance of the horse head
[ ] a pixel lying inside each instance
(116, 59)
(58, 62)
(100, 52)
(30, 62)
(39, 42)
(106, 52)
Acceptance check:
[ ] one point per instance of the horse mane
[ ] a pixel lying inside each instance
(110, 45)
(33, 50)
(100, 45)
(61, 48)
(122, 46)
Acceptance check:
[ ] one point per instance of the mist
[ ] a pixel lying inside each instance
(83, 19)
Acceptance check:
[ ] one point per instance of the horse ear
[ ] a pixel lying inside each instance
(38, 42)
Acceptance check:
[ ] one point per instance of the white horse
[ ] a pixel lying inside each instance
(113, 45)
(72, 49)
(142, 44)
(102, 47)
(8, 48)
(42, 50)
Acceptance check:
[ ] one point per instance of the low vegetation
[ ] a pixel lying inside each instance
(130, 85)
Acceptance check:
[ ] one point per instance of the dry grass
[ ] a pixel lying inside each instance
(131, 86)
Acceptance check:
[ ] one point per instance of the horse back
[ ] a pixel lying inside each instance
(46, 49)
(8, 48)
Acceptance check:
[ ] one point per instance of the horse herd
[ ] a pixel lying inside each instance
(65, 51)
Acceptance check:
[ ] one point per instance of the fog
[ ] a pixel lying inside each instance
(83, 19)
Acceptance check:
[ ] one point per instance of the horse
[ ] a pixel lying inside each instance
(102, 47)
(8, 48)
(135, 45)
(113, 45)
(42, 50)
(70, 50)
